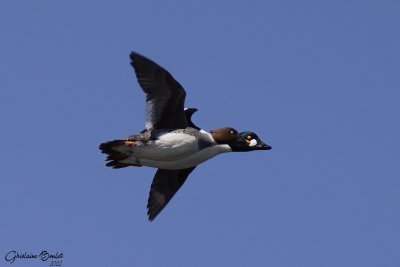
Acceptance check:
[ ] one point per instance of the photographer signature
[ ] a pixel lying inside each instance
(55, 258)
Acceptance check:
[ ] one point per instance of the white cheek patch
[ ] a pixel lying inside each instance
(253, 142)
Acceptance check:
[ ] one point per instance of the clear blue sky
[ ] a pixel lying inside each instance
(317, 80)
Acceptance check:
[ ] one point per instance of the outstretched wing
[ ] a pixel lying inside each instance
(165, 97)
(164, 186)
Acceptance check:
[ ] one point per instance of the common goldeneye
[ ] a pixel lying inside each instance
(170, 142)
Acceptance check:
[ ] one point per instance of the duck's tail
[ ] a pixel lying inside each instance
(117, 151)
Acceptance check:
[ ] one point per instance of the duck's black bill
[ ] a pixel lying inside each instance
(262, 146)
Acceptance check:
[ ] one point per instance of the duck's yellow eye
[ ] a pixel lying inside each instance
(248, 137)
(232, 132)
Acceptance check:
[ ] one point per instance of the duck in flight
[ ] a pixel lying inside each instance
(170, 142)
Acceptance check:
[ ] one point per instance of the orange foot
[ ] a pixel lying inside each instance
(129, 143)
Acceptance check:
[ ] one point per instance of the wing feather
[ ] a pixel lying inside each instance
(165, 97)
(164, 186)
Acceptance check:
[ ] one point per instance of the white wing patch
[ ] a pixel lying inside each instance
(253, 142)
(154, 109)
(150, 114)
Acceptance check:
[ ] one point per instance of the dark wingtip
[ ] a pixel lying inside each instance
(132, 55)
(153, 209)
(151, 217)
(154, 206)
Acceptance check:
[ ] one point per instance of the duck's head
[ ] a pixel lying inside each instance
(239, 142)
(249, 141)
